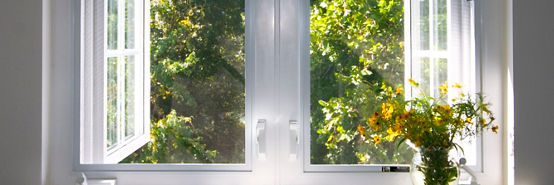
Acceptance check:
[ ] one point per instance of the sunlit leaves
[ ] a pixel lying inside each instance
(355, 47)
(174, 138)
(197, 70)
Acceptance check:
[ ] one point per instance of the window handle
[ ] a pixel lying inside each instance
(294, 139)
(260, 138)
(462, 164)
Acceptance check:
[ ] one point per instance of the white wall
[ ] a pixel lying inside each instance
(20, 92)
(534, 91)
(63, 111)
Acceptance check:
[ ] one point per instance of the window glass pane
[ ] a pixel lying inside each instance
(440, 74)
(356, 46)
(130, 24)
(423, 24)
(440, 18)
(424, 77)
(112, 24)
(112, 102)
(197, 83)
(129, 96)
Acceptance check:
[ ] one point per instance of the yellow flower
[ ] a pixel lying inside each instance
(405, 115)
(392, 134)
(495, 129)
(399, 90)
(412, 81)
(398, 127)
(457, 85)
(387, 110)
(447, 109)
(374, 123)
(376, 139)
(469, 120)
(371, 120)
(444, 88)
(438, 122)
(361, 130)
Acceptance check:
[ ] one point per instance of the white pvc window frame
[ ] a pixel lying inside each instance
(91, 152)
(63, 31)
(271, 52)
(94, 56)
(462, 54)
(462, 45)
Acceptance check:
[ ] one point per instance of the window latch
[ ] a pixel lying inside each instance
(294, 139)
(260, 138)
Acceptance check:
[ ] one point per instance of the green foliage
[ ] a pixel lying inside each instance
(356, 46)
(174, 138)
(197, 70)
(197, 66)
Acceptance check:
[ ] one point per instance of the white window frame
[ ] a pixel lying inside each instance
(294, 18)
(95, 52)
(454, 15)
(462, 55)
(92, 151)
(261, 171)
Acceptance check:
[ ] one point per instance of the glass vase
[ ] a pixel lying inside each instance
(432, 166)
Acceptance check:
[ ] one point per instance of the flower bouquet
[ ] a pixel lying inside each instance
(433, 125)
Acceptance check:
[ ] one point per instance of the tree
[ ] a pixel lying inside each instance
(356, 47)
(198, 94)
(197, 66)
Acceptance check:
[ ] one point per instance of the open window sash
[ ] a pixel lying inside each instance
(440, 48)
(116, 90)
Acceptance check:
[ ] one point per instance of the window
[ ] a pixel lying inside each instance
(356, 47)
(178, 99)
(260, 88)
(443, 51)
(350, 59)
(115, 82)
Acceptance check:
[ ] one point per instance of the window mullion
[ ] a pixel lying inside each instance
(139, 75)
(432, 48)
(121, 71)
(120, 24)
(120, 98)
(412, 36)
(123, 52)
